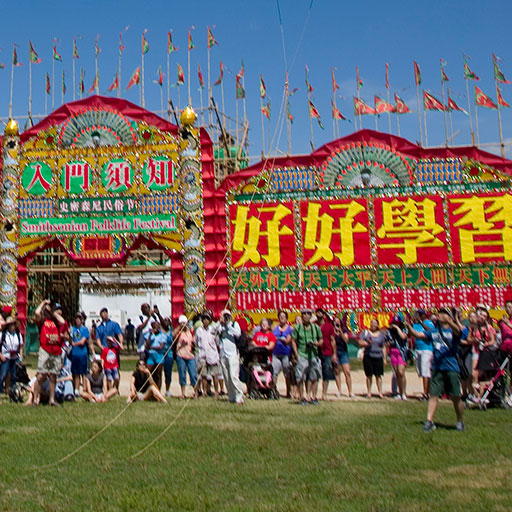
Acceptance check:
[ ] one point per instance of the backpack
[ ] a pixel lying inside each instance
(242, 343)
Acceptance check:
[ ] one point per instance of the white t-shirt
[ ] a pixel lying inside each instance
(12, 342)
(226, 335)
(142, 336)
(206, 344)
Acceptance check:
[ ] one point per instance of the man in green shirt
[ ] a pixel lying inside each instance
(306, 338)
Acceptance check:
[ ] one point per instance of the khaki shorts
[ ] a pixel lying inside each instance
(208, 370)
(308, 369)
(48, 363)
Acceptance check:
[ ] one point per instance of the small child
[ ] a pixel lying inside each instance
(258, 371)
(110, 358)
(208, 358)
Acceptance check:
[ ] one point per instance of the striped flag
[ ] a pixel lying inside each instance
(432, 103)
(211, 39)
(32, 54)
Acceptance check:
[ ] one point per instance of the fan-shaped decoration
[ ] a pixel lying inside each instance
(366, 163)
(97, 127)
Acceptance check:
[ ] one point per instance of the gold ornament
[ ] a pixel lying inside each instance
(11, 128)
(188, 116)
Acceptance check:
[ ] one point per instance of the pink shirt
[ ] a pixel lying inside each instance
(185, 343)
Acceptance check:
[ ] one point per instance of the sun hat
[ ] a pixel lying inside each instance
(10, 320)
(182, 319)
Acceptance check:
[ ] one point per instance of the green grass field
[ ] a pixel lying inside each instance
(262, 456)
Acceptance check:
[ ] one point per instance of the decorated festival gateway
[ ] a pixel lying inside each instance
(367, 222)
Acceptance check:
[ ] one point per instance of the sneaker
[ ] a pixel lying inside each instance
(460, 427)
(404, 397)
(304, 402)
(352, 396)
(472, 399)
(429, 426)
(314, 402)
(168, 394)
(397, 397)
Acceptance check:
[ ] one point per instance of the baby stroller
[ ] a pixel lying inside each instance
(260, 382)
(492, 368)
(20, 391)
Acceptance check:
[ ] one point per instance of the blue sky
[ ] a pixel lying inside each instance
(331, 33)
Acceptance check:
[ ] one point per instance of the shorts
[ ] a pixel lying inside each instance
(207, 370)
(373, 366)
(396, 358)
(308, 369)
(79, 364)
(327, 370)
(48, 363)
(343, 357)
(112, 374)
(445, 383)
(466, 358)
(424, 360)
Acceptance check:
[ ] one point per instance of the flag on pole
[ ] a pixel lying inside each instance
(170, 46)
(265, 110)
(240, 92)
(97, 49)
(432, 103)
(200, 76)
(221, 75)
(417, 74)
(468, 74)
(145, 44)
(387, 75)
(444, 76)
(382, 106)
(288, 113)
(181, 76)
(308, 85)
(453, 106)
(2, 65)
(501, 101)
(115, 83)
(242, 69)
(482, 100)
(336, 114)
(32, 54)
(63, 83)
(95, 83)
(400, 106)
(191, 44)
(135, 79)
(48, 86)
(56, 55)
(15, 62)
(498, 75)
(361, 108)
(335, 86)
(211, 39)
(359, 82)
(160, 77)
(263, 89)
(75, 49)
(122, 47)
(81, 85)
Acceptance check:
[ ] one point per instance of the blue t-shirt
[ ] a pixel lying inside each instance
(281, 349)
(108, 328)
(420, 344)
(445, 349)
(77, 333)
(168, 344)
(155, 354)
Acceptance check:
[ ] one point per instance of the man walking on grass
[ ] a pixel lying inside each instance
(445, 338)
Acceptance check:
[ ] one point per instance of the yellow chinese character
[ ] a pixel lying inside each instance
(248, 231)
(415, 222)
(490, 219)
(320, 229)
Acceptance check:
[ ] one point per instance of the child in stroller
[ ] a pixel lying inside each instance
(260, 383)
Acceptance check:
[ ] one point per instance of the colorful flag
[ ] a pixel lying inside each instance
(361, 108)
(468, 74)
(63, 83)
(387, 75)
(160, 79)
(240, 92)
(359, 82)
(400, 106)
(431, 103)
(135, 79)
(501, 101)
(48, 86)
(242, 69)
(121, 45)
(97, 49)
(288, 113)
(200, 76)
(56, 55)
(444, 76)
(308, 85)
(382, 106)
(498, 75)
(336, 114)
(2, 65)
(211, 39)
(170, 46)
(453, 106)
(32, 54)
(145, 44)
(313, 113)
(265, 110)
(335, 86)
(221, 75)
(417, 74)
(95, 83)
(114, 84)
(191, 44)
(15, 62)
(263, 89)
(181, 76)
(482, 100)
(75, 49)
(81, 85)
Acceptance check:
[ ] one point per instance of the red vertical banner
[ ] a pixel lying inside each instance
(481, 227)
(262, 235)
(410, 230)
(335, 233)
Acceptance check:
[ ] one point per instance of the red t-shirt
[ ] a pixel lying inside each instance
(109, 357)
(264, 339)
(49, 337)
(327, 331)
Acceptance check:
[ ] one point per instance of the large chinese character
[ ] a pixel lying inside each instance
(117, 175)
(251, 231)
(485, 228)
(76, 177)
(158, 173)
(412, 223)
(320, 228)
(37, 178)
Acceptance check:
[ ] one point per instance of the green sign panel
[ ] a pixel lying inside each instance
(158, 173)
(117, 175)
(98, 225)
(75, 177)
(36, 178)
(99, 205)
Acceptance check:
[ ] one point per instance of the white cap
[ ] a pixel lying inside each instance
(182, 319)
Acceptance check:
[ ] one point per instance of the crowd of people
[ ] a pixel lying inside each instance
(219, 356)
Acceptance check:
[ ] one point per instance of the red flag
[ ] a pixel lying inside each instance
(95, 83)
(200, 76)
(482, 100)
(417, 74)
(361, 108)
(444, 76)
(387, 75)
(211, 40)
(135, 79)
(453, 106)
(181, 76)
(114, 84)
(48, 87)
(359, 82)
(401, 107)
(501, 101)
(382, 106)
(160, 79)
(335, 86)
(221, 75)
(336, 114)
(265, 110)
(431, 103)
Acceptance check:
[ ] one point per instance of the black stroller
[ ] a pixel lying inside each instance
(492, 367)
(256, 360)
(20, 391)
